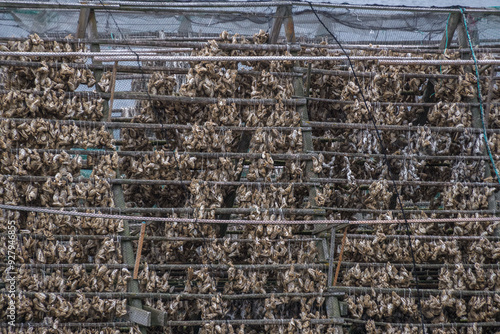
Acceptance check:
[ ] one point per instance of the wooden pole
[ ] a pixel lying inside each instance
(278, 22)
(82, 23)
(337, 270)
(331, 255)
(118, 197)
(112, 91)
(332, 303)
(139, 250)
(453, 22)
(308, 81)
(428, 96)
(246, 137)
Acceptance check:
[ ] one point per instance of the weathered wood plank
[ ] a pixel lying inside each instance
(158, 318)
(83, 20)
(453, 22)
(136, 313)
(139, 316)
(332, 304)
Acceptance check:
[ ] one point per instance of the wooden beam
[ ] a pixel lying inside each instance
(246, 137)
(289, 27)
(83, 20)
(158, 318)
(139, 316)
(454, 20)
(135, 305)
(308, 80)
(464, 43)
(278, 22)
(112, 91)
(185, 27)
(95, 47)
(331, 255)
(332, 303)
(93, 34)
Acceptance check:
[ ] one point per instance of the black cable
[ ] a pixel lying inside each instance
(155, 111)
(386, 159)
(157, 114)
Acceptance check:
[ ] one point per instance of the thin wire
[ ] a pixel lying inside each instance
(157, 114)
(153, 107)
(479, 97)
(187, 192)
(386, 159)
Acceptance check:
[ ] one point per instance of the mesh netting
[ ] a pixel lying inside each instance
(350, 25)
(253, 141)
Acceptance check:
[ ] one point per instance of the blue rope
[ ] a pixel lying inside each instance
(446, 42)
(447, 21)
(485, 136)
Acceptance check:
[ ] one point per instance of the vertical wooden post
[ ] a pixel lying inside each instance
(185, 28)
(278, 22)
(139, 250)
(331, 255)
(332, 303)
(453, 22)
(95, 47)
(119, 199)
(246, 136)
(308, 80)
(83, 20)
(112, 91)
(464, 44)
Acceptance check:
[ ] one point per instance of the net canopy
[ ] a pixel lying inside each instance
(356, 24)
(239, 174)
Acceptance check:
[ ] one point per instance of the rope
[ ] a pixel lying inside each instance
(300, 238)
(180, 295)
(266, 59)
(224, 267)
(243, 221)
(311, 182)
(435, 62)
(134, 56)
(275, 156)
(479, 97)
(380, 60)
(439, 325)
(384, 152)
(307, 125)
